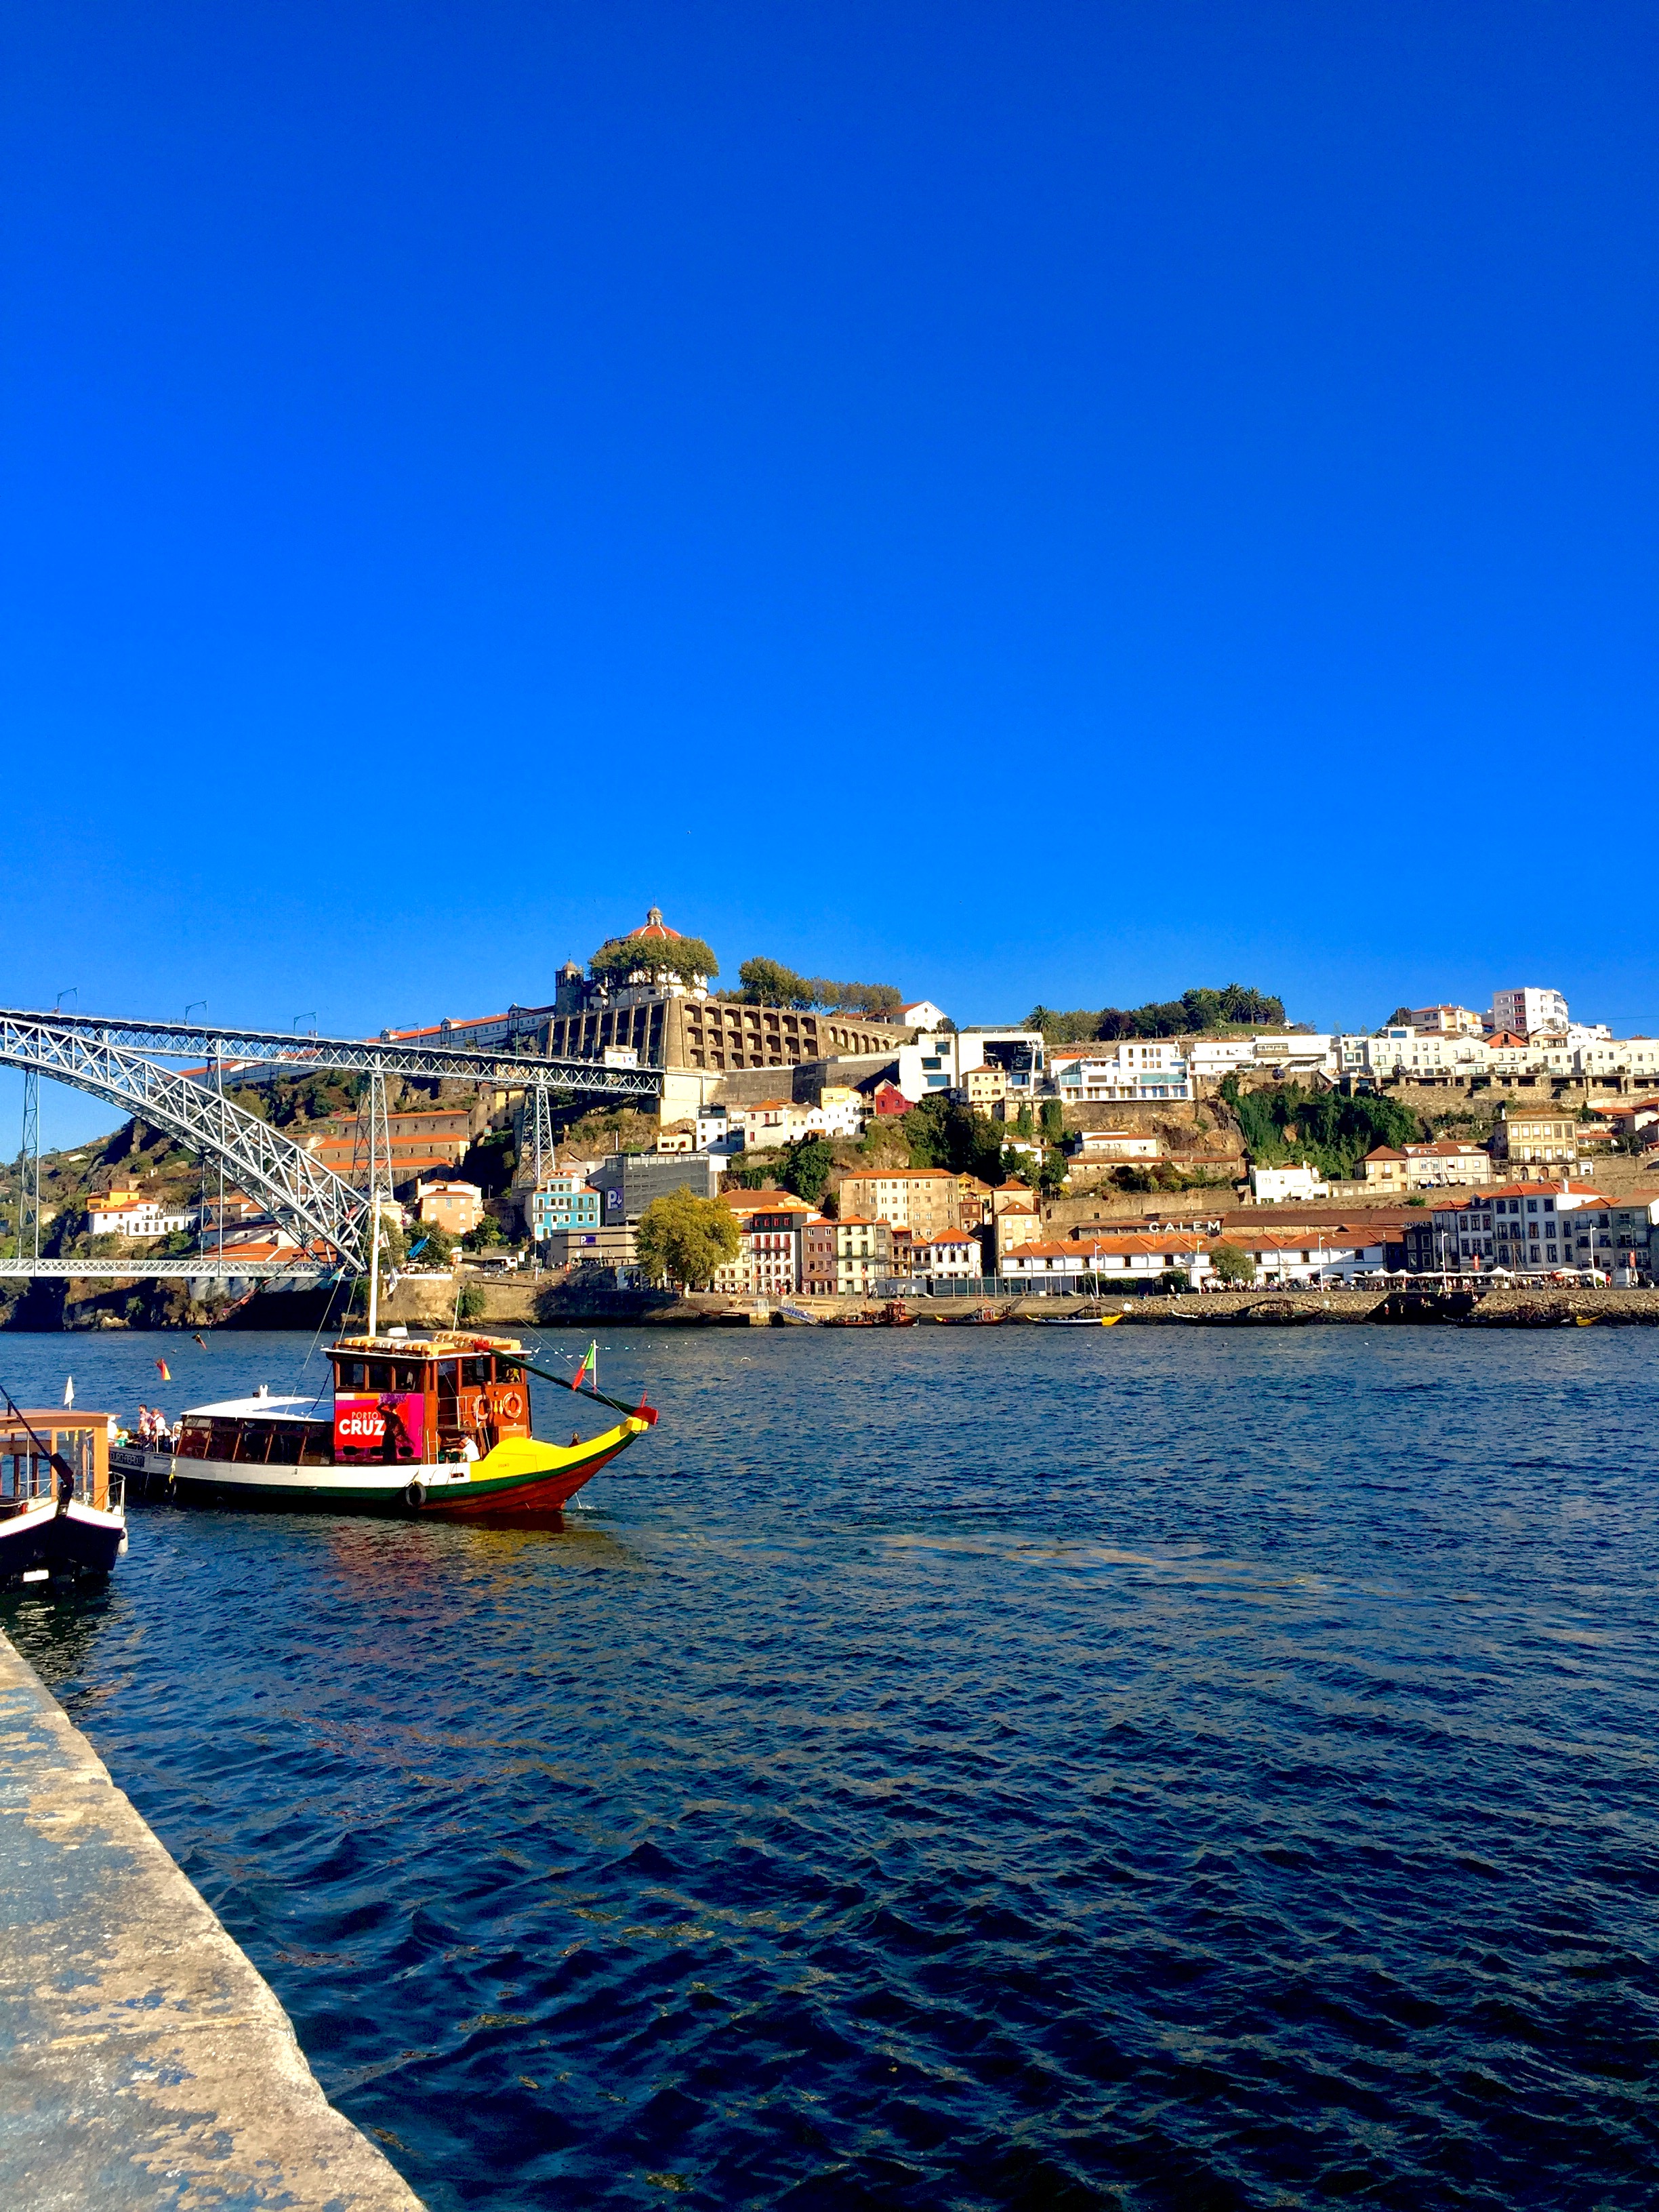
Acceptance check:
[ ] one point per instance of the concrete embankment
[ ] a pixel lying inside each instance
(146, 2063)
(519, 1304)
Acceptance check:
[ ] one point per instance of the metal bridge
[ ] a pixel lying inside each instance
(299, 1270)
(117, 1061)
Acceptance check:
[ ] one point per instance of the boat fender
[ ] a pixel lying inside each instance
(416, 1495)
(511, 1405)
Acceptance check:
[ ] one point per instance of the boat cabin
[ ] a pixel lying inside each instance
(424, 1399)
(80, 1440)
(399, 1400)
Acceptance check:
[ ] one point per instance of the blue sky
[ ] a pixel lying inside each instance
(1021, 501)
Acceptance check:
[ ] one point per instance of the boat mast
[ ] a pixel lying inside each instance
(379, 1143)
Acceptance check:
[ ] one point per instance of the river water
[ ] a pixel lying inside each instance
(1019, 1768)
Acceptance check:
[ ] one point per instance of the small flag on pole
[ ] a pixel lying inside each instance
(165, 1371)
(589, 1369)
(68, 1390)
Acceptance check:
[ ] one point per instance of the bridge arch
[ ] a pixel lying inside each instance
(310, 1201)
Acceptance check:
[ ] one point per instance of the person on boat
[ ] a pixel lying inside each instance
(396, 1443)
(469, 1447)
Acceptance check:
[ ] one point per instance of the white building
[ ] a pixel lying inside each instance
(1271, 1186)
(1210, 1059)
(1140, 1069)
(1295, 1054)
(1056, 1265)
(124, 1213)
(922, 1014)
(1118, 1145)
(1407, 1052)
(840, 1112)
(1527, 1009)
(1447, 1021)
(1527, 1225)
(942, 1059)
(950, 1254)
(1305, 1256)
(774, 1122)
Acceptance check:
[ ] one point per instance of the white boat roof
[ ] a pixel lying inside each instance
(270, 1409)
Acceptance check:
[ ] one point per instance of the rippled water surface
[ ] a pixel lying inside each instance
(955, 1767)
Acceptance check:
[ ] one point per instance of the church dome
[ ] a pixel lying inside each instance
(655, 927)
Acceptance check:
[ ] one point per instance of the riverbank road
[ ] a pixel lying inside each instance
(143, 2062)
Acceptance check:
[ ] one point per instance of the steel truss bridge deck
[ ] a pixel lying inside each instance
(182, 1041)
(138, 1270)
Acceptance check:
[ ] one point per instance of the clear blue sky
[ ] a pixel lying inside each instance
(1021, 501)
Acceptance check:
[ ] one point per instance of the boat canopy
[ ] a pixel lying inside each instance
(314, 1408)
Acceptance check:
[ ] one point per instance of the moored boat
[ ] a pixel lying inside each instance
(60, 1515)
(416, 1425)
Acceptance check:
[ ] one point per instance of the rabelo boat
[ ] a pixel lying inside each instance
(417, 1425)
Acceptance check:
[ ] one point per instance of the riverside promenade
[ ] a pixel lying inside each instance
(143, 2062)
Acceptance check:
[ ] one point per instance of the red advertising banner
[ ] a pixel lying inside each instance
(361, 1423)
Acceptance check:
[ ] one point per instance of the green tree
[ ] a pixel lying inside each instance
(487, 1233)
(685, 957)
(877, 1002)
(943, 1133)
(436, 1245)
(806, 1167)
(686, 1239)
(1054, 1124)
(769, 983)
(751, 1175)
(1232, 1264)
(471, 1302)
(1234, 1004)
(1291, 1122)
(1051, 1172)
(1175, 1282)
(1022, 1120)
